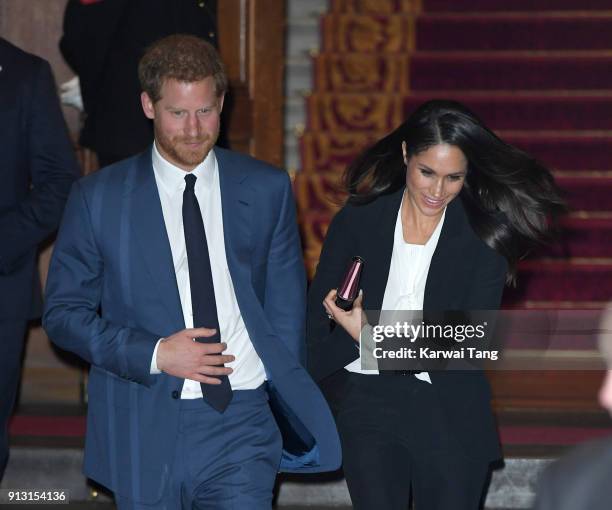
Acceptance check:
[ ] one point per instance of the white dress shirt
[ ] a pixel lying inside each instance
(248, 368)
(405, 288)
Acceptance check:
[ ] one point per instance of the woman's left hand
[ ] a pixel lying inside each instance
(352, 321)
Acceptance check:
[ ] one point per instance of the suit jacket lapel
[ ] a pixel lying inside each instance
(149, 229)
(441, 288)
(237, 200)
(381, 249)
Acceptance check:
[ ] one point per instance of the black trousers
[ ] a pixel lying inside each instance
(396, 440)
(12, 334)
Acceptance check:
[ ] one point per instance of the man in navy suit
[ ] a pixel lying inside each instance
(188, 241)
(38, 167)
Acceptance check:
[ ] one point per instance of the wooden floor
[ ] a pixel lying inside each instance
(550, 390)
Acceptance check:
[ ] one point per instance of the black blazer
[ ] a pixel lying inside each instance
(37, 170)
(465, 274)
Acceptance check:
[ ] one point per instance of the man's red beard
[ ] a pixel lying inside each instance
(181, 153)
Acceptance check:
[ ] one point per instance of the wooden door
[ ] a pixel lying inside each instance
(252, 45)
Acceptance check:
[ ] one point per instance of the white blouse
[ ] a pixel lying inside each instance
(405, 288)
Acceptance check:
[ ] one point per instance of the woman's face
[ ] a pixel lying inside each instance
(434, 177)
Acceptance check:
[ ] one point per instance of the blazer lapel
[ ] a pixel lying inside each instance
(442, 288)
(381, 249)
(148, 227)
(237, 201)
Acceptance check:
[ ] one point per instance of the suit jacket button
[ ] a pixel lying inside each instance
(175, 395)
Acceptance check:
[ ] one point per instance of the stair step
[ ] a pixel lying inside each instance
(375, 7)
(565, 151)
(580, 279)
(61, 469)
(578, 240)
(323, 192)
(514, 5)
(460, 32)
(587, 193)
(489, 6)
(514, 71)
(539, 31)
(581, 238)
(376, 72)
(528, 111)
(561, 281)
(512, 485)
(332, 151)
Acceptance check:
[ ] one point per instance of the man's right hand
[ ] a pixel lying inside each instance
(180, 356)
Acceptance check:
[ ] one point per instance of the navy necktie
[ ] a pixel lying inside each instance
(203, 304)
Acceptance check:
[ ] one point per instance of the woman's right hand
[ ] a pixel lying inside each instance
(353, 320)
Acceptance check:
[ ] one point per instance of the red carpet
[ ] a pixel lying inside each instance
(74, 426)
(36, 425)
(525, 435)
(512, 71)
(514, 32)
(458, 6)
(590, 195)
(466, 32)
(444, 71)
(513, 5)
(561, 281)
(331, 151)
(583, 238)
(501, 111)
(538, 72)
(575, 151)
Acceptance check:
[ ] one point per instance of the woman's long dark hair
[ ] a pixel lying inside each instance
(510, 198)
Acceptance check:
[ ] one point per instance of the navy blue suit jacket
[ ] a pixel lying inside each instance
(112, 293)
(37, 168)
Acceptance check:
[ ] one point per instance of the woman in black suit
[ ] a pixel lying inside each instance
(440, 209)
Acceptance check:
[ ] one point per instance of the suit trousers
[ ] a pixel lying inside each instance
(12, 335)
(223, 461)
(396, 437)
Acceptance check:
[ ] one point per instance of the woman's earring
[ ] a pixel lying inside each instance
(405, 153)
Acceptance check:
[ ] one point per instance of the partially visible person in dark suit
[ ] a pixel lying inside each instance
(582, 480)
(440, 210)
(38, 167)
(103, 41)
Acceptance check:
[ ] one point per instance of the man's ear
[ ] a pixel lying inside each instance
(147, 105)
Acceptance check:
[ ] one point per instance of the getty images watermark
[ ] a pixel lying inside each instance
(411, 332)
(477, 339)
